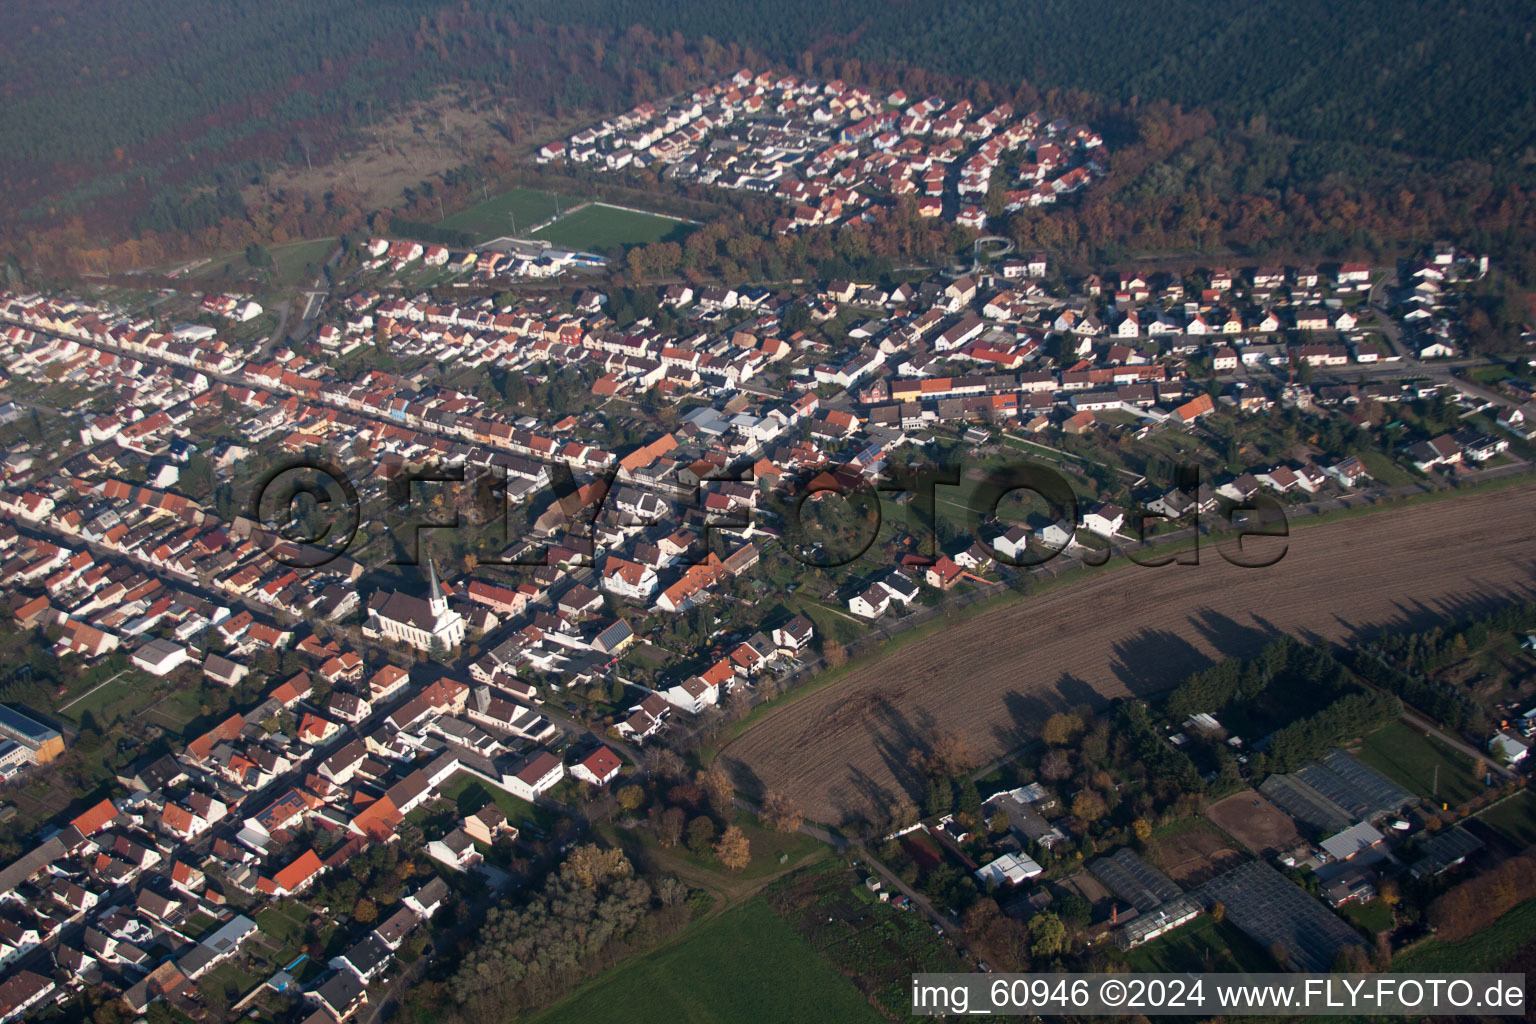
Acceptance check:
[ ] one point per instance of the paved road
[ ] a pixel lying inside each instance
(950, 928)
(1467, 387)
(1389, 328)
(278, 333)
(1425, 725)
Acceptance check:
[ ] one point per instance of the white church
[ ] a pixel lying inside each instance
(410, 620)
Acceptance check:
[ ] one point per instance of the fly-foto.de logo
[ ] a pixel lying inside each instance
(308, 513)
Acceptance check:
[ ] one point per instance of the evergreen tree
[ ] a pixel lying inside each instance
(970, 799)
(940, 797)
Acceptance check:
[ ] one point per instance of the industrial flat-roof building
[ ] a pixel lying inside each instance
(44, 743)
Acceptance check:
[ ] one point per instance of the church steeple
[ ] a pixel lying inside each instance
(435, 598)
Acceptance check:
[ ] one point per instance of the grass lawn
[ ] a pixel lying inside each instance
(1202, 945)
(178, 710)
(1183, 826)
(1374, 916)
(746, 964)
(1515, 817)
(290, 263)
(198, 925)
(121, 700)
(767, 847)
(469, 794)
(828, 623)
(232, 979)
(495, 217)
(601, 227)
(1408, 757)
(1481, 952)
(279, 927)
(1383, 470)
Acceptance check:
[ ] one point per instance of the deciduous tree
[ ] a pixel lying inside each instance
(780, 812)
(1088, 807)
(701, 834)
(734, 849)
(669, 826)
(1060, 728)
(1047, 934)
(718, 790)
(1056, 765)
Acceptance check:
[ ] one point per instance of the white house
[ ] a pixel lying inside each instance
(871, 603)
(541, 774)
(599, 767)
(794, 635)
(692, 695)
(902, 587)
(1509, 748)
(160, 657)
(1104, 519)
(456, 850)
(1012, 544)
(629, 580)
(1009, 869)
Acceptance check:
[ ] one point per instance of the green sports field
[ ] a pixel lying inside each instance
(497, 216)
(599, 227)
(748, 964)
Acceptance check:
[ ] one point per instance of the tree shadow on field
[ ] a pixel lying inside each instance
(1264, 624)
(1026, 712)
(747, 781)
(1311, 636)
(1484, 598)
(1154, 661)
(864, 798)
(1075, 693)
(897, 736)
(1230, 638)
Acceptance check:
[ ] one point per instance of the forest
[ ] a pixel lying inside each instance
(589, 914)
(159, 120)
(1428, 79)
(143, 130)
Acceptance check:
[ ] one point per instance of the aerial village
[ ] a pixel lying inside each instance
(830, 150)
(613, 567)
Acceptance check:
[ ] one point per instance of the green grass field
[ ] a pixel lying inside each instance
(599, 227)
(495, 217)
(1515, 817)
(1202, 945)
(767, 847)
(1407, 756)
(279, 928)
(1384, 471)
(290, 263)
(747, 964)
(469, 794)
(1374, 916)
(121, 700)
(1484, 951)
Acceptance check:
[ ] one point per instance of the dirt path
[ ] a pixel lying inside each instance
(1136, 631)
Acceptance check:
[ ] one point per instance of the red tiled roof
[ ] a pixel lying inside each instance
(96, 819)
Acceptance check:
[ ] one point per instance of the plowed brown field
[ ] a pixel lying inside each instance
(992, 678)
